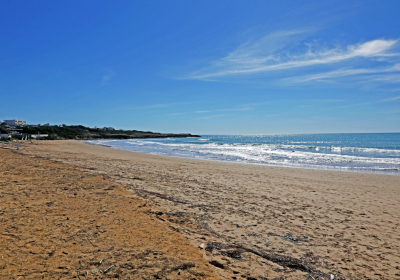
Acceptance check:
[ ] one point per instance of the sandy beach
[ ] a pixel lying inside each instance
(247, 221)
(57, 222)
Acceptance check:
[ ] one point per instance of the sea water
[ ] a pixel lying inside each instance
(360, 152)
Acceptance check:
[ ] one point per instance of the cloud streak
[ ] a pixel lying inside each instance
(152, 106)
(272, 53)
(107, 77)
(210, 117)
(224, 110)
(391, 99)
(348, 72)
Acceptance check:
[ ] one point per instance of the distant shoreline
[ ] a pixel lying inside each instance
(80, 132)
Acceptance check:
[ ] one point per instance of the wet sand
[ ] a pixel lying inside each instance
(258, 222)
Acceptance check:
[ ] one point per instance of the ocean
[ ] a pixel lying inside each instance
(358, 152)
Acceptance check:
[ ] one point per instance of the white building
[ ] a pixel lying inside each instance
(5, 136)
(38, 136)
(108, 128)
(15, 122)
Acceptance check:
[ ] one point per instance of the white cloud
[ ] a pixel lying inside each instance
(152, 106)
(240, 109)
(347, 72)
(210, 117)
(176, 114)
(394, 79)
(224, 110)
(107, 76)
(330, 100)
(391, 99)
(269, 54)
(372, 48)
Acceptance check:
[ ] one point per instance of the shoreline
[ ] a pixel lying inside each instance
(251, 163)
(341, 223)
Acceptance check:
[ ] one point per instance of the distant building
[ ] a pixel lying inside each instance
(108, 128)
(46, 124)
(15, 122)
(39, 136)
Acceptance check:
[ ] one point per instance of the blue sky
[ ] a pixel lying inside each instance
(204, 67)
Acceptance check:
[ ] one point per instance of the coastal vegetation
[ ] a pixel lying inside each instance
(81, 132)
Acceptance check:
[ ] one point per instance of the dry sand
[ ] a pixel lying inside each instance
(258, 222)
(60, 223)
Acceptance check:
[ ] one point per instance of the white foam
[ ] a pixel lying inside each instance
(326, 157)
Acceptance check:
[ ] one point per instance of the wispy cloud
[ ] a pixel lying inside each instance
(349, 72)
(107, 76)
(211, 117)
(219, 115)
(394, 79)
(151, 106)
(147, 107)
(329, 100)
(225, 110)
(176, 114)
(356, 105)
(391, 99)
(275, 52)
